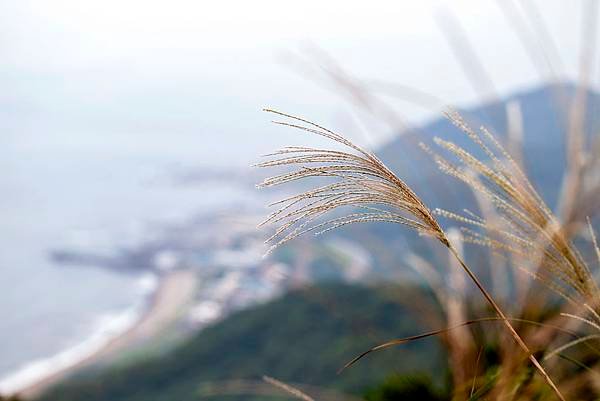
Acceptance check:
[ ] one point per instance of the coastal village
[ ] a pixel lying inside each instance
(223, 253)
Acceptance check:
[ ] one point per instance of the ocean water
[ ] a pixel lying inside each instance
(53, 315)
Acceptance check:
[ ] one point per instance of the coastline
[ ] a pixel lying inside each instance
(174, 290)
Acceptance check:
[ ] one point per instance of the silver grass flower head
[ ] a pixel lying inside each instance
(360, 182)
(527, 228)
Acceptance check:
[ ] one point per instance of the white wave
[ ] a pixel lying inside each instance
(147, 283)
(107, 327)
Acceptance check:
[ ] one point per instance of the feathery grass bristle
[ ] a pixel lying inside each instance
(529, 231)
(361, 181)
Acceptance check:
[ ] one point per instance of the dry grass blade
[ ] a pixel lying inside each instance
(400, 341)
(592, 322)
(570, 344)
(363, 181)
(594, 240)
(589, 322)
(475, 376)
(263, 389)
(288, 389)
(405, 340)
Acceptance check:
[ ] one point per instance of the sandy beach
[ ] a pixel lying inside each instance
(174, 292)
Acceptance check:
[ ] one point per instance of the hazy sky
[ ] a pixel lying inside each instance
(188, 78)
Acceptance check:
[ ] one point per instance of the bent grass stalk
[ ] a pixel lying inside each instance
(293, 391)
(361, 181)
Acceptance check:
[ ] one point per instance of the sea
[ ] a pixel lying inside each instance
(53, 316)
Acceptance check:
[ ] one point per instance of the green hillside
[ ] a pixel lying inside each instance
(303, 337)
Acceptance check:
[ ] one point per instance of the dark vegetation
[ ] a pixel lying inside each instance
(305, 336)
(405, 387)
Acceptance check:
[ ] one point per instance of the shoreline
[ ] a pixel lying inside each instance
(160, 308)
